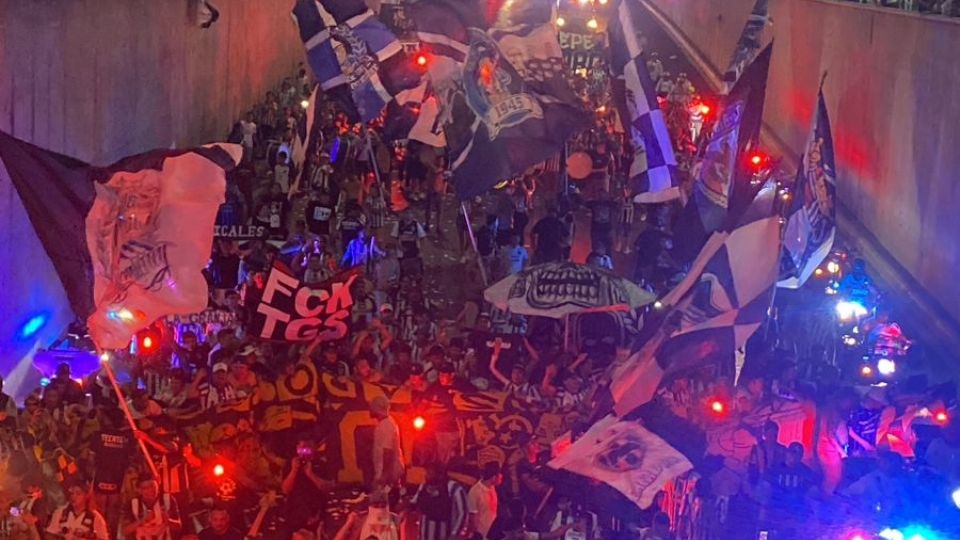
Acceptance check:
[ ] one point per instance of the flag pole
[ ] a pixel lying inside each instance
(105, 362)
(473, 241)
(376, 168)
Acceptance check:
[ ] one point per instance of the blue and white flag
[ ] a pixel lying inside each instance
(505, 101)
(653, 173)
(354, 56)
(720, 303)
(811, 222)
(748, 45)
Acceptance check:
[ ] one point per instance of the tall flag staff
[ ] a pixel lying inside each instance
(105, 364)
(129, 241)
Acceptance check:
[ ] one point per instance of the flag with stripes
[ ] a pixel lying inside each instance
(720, 303)
(748, 45)
(355, 57)
(653, 173)
(129, 241)
(811, 223)
(306, 143)
(415, 114)
(505, 102)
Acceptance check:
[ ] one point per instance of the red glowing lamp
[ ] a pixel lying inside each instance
(941, 417)
(218, 470)
(421, 60)
(704, 109)
(419, 423)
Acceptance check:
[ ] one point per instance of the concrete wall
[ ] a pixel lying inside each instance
(100, 79)
(894, 102)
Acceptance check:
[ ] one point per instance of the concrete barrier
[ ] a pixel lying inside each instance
(100, 79)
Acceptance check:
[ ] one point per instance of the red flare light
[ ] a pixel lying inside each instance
(704, 109)
(717, 407)
(421, 60)
(419, 423)
(218, 470)
(941, 417)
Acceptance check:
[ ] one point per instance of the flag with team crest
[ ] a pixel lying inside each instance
(653, 173)
(129, 241)
(723, 178)
(748, 45)
(355, 57)
(720, 303)
(625, 456)
(505, 101)
(811, 225)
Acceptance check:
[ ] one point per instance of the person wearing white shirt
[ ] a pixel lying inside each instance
(152, 515)
(76, 520)
(515, 256)
(482, 501)
(249, 130)
(387, 452)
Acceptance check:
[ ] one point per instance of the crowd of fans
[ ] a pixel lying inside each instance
(72, 466)
(949, 8)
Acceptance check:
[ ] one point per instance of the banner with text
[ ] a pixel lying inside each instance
(290, 310)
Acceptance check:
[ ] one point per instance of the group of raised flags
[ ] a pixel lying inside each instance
(506, 103)
(742, 252)
(494, 91)
(129, 240)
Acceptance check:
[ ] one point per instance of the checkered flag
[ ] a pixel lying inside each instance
(653, 173)
(713, 311)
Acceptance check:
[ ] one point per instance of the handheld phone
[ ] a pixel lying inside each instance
(763, 535)
(15, 511)
(305, 452)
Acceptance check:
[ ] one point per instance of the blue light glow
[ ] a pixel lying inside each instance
(32, 326)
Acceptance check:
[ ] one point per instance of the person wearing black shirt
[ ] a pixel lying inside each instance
(601, 222)
(304, 488)
(112, 447)
(193, 354)
(225, 267)
(69, 389)
(320, 213)
(350, 225)
(220, 527)
(548, 236)
(648, 246)
(790, 481)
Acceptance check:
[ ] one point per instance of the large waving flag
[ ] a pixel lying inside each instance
(128, 241)
(354, 56)
(505, 103)
(811, 225)
(653, 173)
(713, 311)
(723, 178)
(415, 114)
(748, 45)
(625, 456)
